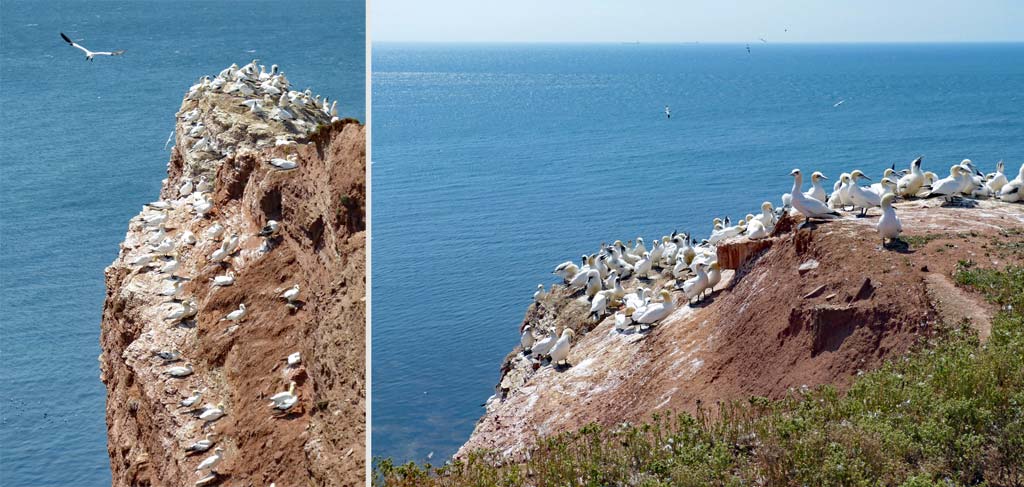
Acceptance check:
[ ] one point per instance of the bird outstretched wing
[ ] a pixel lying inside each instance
(73, 44)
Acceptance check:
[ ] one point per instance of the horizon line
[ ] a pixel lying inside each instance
(925, 42)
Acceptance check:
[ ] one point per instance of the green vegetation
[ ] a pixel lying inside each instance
(919, 241)
(950, 413)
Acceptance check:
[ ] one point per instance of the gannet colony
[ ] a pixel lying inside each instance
(601, 279)
(182, 236)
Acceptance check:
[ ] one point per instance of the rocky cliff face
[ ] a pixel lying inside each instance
(803, 308)
(221, 191)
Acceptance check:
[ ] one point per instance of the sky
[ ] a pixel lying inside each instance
(697, 20)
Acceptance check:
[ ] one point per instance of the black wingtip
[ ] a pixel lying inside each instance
(66, 39)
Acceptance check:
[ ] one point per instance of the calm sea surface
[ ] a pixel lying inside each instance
(83, 148)
(494, 163)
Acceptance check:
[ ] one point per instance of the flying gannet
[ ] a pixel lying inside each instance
(90, 54)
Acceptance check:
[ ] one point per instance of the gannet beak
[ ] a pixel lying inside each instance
(865, 177)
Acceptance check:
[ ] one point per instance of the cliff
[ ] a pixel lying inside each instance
(221, 191)
(805, 307)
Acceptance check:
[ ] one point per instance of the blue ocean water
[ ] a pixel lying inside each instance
(494, 163)
(83, 149)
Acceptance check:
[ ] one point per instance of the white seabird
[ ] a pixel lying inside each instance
(236, 315)
(291, 294)
(294, 359)
(283, 401)
(212, 413)
(947, 186)
(225, 280)
(270, 229)
(909, 184)
(539, 293)
(655, 312)
(888, 226)
(543, 346)
(90, 54)
(211, 461)
(861, 197)
(527, 340)
(201, 445)
(808, 207)
(1011, 191)
(180, 371)
(560, 351)
(191, 400)
(695, 286)
(283, 164)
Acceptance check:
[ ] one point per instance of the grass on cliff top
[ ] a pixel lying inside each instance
(949, 413)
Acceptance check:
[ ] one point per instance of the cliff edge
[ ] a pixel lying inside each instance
(265, 191)
(805, 307)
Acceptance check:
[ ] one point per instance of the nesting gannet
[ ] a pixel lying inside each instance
(817, 191)
(291, 294)
(270, 229)
(211, 413)
(201, 445)
(90, 54)
(756, 230)
(142, 260)
(232, 243)
(186, 188)
(714, 276)
(655, 312)
(539, 293)
(1011, 191)
(594, 283)
(204, 185)
(211, 461)
(222, 253)
(191, 400)
(180, 371)
(283, 164)
(695, 286)
(996, 180)
(294, 359)
(888, 226)
(237, 314)
(179, 312)
(624, 319)
(171, 266)
(637, 299)
(168, 355)
(643, 266)
(214, 232)
(543, 346)
(599, 305)
(164, 247)
(809, 207)
(187, 237)
(909, 184)
(202, 206)
(225, 280)
(560, 351)
(285, 400)
(947, 186)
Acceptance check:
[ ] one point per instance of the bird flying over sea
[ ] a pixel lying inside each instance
(90, 54)
(840, 102)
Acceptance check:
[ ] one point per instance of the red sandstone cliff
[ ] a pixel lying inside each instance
(321, 247)
(768, 328)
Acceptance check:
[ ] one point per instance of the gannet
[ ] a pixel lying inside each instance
(291, 294)
(158, 235)
(172, 288)
(1011, 191)
(695, 286)
(643, 266)
(220, 254)
(179, 312)
(654, 312)
(947, 186)
(204, 185)
(539, 293)
(202, 206)
(211, 461)
(808, 207)
(861, 197)
(201, 445)
(624, 319)
(599, 305)
(168, 355)
(997, 180)
(560, 351)
(294, 359)
(215, 231)
(593, 283)
(142, 260)
(91, 54)
(527, 340)
(270, 229)
(756, 230)
(187, 237)
(164, 247)
(283, 164)
(637, 299)
(283, 401)
(233, 242)
(225, 280)
(212, 413)
(714, 276)
(817, 191)
(879, 187)
(543, 346)
(191, 400)
(579, 281)
(236, 315)
(180, 371)
(888, 226)
(171, 266)
(910, 183)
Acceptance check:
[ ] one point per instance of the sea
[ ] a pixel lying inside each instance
(82, 147)
(493, 163)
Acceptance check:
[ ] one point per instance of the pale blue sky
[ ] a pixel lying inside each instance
(697, 20)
